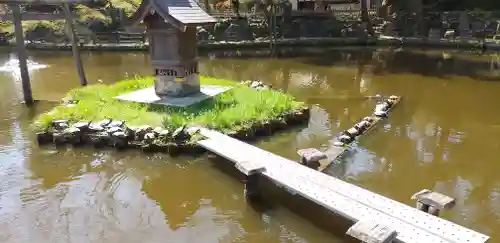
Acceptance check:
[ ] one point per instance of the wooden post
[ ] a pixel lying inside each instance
(21, 54)
(252, 183)
(252, 187)
(74, 45)
(428, 209)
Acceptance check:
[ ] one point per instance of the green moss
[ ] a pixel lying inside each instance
(227, 112)
(56, 26)
(85, 15)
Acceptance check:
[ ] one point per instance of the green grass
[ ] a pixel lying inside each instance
(229, 111)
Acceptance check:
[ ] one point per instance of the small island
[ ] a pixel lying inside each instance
(164, 113)
(92, 115)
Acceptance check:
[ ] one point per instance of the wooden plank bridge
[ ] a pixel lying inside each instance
(344, 199)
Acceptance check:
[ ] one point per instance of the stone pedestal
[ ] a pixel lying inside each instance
(168, 85)
(149, 96)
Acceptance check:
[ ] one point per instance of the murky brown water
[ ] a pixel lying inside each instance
(444, 136)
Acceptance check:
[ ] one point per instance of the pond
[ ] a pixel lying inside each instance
(443, 136)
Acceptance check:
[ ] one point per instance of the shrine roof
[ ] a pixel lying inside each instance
(179, 13)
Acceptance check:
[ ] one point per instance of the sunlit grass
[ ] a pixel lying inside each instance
(227, 112)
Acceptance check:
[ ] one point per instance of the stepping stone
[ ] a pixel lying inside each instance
(434, 199)
(311, 155)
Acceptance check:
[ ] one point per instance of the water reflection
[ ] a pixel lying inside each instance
(443, 136)
(444, 64)
(104, 196)
(12, 66)
(444, 132)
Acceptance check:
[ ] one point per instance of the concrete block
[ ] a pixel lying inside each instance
(372, 232)
(434, 199)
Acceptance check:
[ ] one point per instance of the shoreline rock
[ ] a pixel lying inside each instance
(289, 42)
(116, 134)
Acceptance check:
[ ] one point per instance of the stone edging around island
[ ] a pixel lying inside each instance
(297, 42)
(108, 133)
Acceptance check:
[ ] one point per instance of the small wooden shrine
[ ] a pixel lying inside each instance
(171, 29)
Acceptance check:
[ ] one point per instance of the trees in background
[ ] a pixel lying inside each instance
(416, 17)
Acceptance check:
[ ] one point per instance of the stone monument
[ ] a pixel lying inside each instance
(464, 25)
(171, 29)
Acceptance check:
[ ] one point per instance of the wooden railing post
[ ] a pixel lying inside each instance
(74, 45)
(21, 54)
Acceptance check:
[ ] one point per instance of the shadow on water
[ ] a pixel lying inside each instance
(443, 64)
(437, 64)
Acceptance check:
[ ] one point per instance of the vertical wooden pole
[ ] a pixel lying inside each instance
(74, 45)
(252, 189)
(21, 54)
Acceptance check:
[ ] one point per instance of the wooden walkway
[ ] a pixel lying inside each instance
(349, 201)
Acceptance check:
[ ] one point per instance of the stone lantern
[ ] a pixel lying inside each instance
(171, 29)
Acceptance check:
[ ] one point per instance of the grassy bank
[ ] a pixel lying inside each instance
(228, 112)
